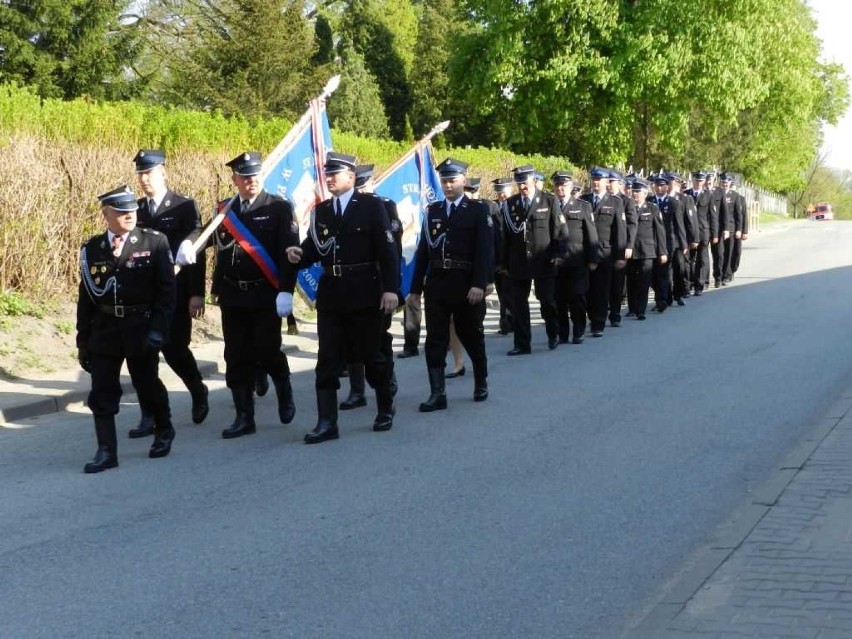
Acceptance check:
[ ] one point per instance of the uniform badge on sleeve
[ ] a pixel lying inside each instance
(389, 236)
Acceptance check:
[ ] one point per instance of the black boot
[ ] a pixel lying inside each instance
(356, 397)
(326, 428)
(261, 382)
(164, 435)
(480, 381)
(200, 407)
(107, 455)
(244, 421)
(144, 428)
(286, 406)
(437, 396)
(385, 408)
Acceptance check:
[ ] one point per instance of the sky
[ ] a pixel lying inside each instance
(834, 18)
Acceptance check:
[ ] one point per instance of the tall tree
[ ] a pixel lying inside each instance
(357, 105)
(209, 55)
(67, 48)
(384, 33)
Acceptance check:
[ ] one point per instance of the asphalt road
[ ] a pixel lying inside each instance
(559, 508)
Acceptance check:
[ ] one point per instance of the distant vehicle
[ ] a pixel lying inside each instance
(821, 211)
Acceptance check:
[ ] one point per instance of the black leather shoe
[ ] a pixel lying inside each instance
(597, 333)
(242, 425)
(322, 433)
(162, 445)
(104, 460)
(200, 405)
(578, 340)
(384, 420)
(641, 318)
(261, 383)
(631, 314)
(717, 283)
(353, 401)
(407, 352)
(480, 393)
(433, 403)
(680, 302)
(698, 293)
(615, 323)
(552, 343)
(519, 351)
(145, 428)
(459, 373)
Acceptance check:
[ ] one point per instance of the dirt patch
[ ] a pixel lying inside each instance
(39, 347)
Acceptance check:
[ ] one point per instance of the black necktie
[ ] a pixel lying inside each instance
(337, 210)
(452, 209)
(597, 200)
(244, 206)
(152, 206)
(525, 202)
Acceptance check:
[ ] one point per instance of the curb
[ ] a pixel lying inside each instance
(44, 405)
(731, 534)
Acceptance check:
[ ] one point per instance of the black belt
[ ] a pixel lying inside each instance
(243, 285)
(124, 310)
(451, 265)
(339, 270)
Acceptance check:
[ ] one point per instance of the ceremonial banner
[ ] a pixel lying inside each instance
(295, 173)
(413, 184)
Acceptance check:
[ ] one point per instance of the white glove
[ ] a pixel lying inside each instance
(185, 255)
(284, 304)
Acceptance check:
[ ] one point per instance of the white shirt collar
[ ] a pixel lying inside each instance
(111, 235)
(158, 199)
(449, 203)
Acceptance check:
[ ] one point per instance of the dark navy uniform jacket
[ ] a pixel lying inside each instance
(454, 253)
(121, 300)
(578, 241)
(611, 223)
(237, 279)
(178, 219)
(531, 236)
(702, 213)
(357, 251)
(650, 233)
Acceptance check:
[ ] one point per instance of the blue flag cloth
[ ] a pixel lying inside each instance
(295, 173)
(413, 184)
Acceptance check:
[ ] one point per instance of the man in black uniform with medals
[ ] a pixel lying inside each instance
(502, 282)
(452, 265)
(530, 244)
(357, 385)
(124, 310)
(176, 217)
(254, 291)
(350, 235)
(611, 223)
(675, 238)
(649, 247)
(700, 255)
(578, 254)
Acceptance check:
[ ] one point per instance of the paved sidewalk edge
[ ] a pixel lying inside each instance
(44, 405)
(731, 534)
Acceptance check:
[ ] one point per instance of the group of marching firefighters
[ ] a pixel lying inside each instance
(581, 252)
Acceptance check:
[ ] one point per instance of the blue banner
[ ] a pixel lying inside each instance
(413, 184)
(295, 173)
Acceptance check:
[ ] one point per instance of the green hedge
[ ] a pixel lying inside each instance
(136, 125)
